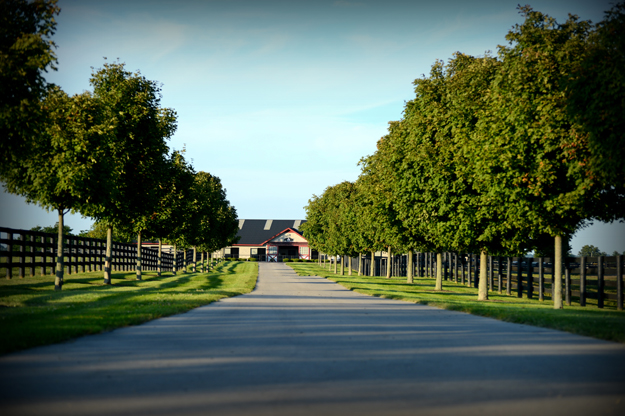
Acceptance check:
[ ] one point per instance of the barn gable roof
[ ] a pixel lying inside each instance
(256, 232)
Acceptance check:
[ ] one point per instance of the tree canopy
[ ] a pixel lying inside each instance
(498, 154)
(26, 53)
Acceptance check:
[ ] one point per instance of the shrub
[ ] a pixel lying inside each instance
(252, 259)
(286, 260)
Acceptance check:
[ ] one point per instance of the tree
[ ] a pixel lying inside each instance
(137, 149)
(67, 166)
(51, 229)
(26, 52)
(213, 220)
(591, 251)
(595, 89)
(531, 147)
(316, 225)
(425, 163)
(380, 227)
(172, 217)
(99, 229)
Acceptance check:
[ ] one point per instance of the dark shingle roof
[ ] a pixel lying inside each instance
(253, 231)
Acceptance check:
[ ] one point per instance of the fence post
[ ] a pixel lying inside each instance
(567, 283)
(582, 282)
(68, 247)
(519, 277)
(42, 269)
(553, 279)
(499, 272)
(619, 283)
(84, 253)
(600, 282)
(491, 280)
(432, 266)
(52, 256)
(476, 272)
(530, 278)
(463, 265)
(509, 276)
(470, 270)
(22, 256)
(541, 280)
(10, 257)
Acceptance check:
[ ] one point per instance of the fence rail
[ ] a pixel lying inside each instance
(584, 278)
(28, 251)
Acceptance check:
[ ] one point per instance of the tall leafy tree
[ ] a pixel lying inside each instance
(316, 225)
(591, 251)
(26, 53)
(138, 149)
(595, 90)
(172, 216)
(417, 160)
(67, 168)
(378, 218)
(213, 222)
(530, 146)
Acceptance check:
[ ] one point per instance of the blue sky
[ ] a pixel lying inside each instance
(281, 99)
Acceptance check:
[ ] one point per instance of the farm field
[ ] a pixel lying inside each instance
(607, 324)
(33, 314)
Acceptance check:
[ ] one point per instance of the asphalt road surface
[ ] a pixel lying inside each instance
(302, 345)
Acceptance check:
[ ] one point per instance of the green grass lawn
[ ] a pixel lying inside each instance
(32, 313)
(608, 323)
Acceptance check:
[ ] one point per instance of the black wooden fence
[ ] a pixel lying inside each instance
(29, 251)
(599, 279)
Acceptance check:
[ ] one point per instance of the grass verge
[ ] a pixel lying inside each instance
(32, 313)
(598, 323)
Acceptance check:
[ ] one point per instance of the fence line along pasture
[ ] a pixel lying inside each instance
(28, 251)
(595, 279)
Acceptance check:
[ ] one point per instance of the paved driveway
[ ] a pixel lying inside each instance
(307, 346)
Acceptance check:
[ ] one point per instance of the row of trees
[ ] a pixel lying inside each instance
(102, 153)
(496, 154)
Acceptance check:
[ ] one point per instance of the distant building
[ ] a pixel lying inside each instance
(269, 240)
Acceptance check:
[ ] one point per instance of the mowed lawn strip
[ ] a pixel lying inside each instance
(608, 324)
(32, 313)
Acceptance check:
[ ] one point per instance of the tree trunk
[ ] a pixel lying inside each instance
(372, 271)
(343, 265)
(175, 269)
(439, 272)
(388, 263)
(184, 262)
(483, 283)
(349, 266)
(359, 264)
(194, 259)
(139, 255)
(336, 265)
(409, 277)
(202, 262)
(108, 261)
(557, 274)
(60, 264)
(160, 258)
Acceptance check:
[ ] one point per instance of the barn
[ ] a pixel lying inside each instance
(270, 240)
